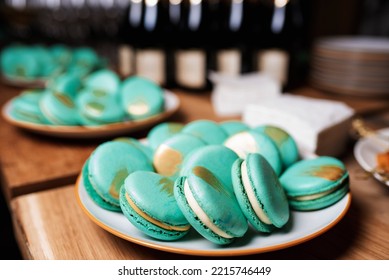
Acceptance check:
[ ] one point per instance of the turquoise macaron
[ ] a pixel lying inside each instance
(317, 183)
(110, 164)
(207, 130)
(146, 149)
(210, 207)
(170, 155)
(96, 198)
(61, 54)
(25, 107)
(259, 193)
(285, 142)
(98, 108)
(103, 81)
(218, 159)
(141, 97)
(17, 62)
(247, 142)
(161, 132)
(66, 84)
(234, 126)
(59, 108)
(147, 200)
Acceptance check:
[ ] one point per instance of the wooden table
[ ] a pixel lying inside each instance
(50, 225)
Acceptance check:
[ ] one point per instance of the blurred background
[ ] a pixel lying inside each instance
(158, 39)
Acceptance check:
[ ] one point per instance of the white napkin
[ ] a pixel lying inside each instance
(231, 94)
(319, 126)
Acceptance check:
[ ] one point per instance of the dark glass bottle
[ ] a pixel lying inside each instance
(150, 58)
(192, 56)
(232, 52)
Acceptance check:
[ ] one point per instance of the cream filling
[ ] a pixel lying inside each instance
(201, 214)
(242, 143)
(251, 196)
(313, 196)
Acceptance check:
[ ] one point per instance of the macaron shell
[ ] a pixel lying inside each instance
(247, 142)
(161, 132)
(170, 155)
(153, 194)
(311, 176)
(268, 189)
(145, 226)
(286, 144)
(137, 144)
(216, 202)
(110, 163)
(93, 194)
(141, 98)
(103, 80)
(209, 131)
(320, 203)
(218, 159)
(234, 127)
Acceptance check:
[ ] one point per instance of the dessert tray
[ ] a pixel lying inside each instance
(172, 104)
(302, 227)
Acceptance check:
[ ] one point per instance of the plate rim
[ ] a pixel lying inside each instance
(210, 253)
(77, 132)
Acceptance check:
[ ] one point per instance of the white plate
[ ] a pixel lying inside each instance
(172, 104)
(365, 152)
(302, 227)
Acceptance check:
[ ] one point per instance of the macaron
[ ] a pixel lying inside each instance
(110, 163)
(209, 131)
(141, 98)
(218, 159)
(17, 62)
(247, 142)
(286, 144)
(259, 193)
(147, 150)
(96, 109)
(234, 126)
(170, 155)
(66, 84)
(317, 183)
(103, 81)
(93, 194)
(161, 132)
(25, 107)
(210, 207)
(59, 108)
(147, 200)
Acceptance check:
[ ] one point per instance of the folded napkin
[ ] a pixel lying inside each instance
(320, 127)
(231, 94)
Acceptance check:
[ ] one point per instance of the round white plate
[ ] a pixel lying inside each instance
(172, 104)
(302, 227)
(365, 152)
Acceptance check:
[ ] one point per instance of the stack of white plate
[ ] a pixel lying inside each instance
(351, 65)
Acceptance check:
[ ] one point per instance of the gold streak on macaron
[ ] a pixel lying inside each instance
(328, 172)
(167, 160)
(278, 135)
(167, 185)
(117, 183)
(64, 99)
(152, 220)
(94, 108)
(138, 108)
(99, 93)
(209, 178)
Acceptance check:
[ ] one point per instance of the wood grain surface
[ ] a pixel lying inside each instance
(51, 225)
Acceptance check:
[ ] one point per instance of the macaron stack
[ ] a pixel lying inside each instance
(218, 179)
(40, 62)
(98, 99)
